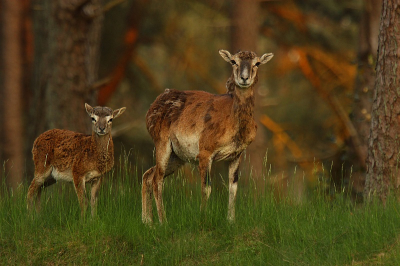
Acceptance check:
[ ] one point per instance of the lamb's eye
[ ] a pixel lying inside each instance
(233, 62)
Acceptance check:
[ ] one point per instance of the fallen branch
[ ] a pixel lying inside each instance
(334, 103)
(282, 135)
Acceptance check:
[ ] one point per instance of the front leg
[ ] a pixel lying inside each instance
(80, 189)
(233, 178)
(93, 195)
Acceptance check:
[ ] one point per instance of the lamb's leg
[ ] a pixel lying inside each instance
(233, 178)
(80, 189)
(205, 162)
(40, 181)
(163, 153)
(147, 191)
(93, 196)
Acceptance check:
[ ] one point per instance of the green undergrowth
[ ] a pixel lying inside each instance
(267, 231)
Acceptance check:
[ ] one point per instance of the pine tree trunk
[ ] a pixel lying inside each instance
(73, 52)
(67, 52)
(383, 147)
(11, 96)
(364, 87)
(67, 41)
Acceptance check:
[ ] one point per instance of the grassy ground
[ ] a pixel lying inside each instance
(266, 232)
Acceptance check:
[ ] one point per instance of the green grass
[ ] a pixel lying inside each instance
(266, 232)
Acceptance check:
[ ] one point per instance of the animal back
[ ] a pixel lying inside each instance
(58, 148)
(164, 110)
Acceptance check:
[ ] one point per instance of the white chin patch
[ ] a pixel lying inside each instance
(243, 85)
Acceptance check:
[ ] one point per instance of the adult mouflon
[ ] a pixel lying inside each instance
(189, 126)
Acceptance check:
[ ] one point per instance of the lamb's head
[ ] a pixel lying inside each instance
(102, 118)
(245, 65)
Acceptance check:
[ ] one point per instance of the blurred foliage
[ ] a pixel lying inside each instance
(303, 90)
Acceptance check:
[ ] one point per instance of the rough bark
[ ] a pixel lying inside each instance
(73, 52)
(11, 101)
(244, 36)
(67, 58)
(383, 147)
(364, 87)
(368, 46)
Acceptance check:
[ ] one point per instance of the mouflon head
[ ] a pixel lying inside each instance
(245, 66)
(102, 118)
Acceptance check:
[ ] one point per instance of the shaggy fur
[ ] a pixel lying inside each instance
(74, 157)
(196, 126)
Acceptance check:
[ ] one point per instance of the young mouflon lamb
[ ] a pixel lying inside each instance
(74, 157)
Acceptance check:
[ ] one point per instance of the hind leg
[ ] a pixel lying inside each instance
(205, 162)
(173, 164)
(163, 152)
(40, 181)
(166, 164)
(147, 191)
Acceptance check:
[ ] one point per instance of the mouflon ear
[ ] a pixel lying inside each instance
(89, 109)
(266, 57)
(226, 55)
(118, 112)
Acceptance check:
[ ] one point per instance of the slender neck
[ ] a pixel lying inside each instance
(243, 105)
(103, 144)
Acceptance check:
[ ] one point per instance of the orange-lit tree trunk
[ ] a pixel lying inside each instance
(11, 96)
(244, 36)
(384, 146)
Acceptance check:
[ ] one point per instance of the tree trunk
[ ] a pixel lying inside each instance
(383, 147)
(11, 98)
(365, 81)
(244, 36)
(66, 55)
(67, 52)
(72, 59)
(245, 25)
(67, 40)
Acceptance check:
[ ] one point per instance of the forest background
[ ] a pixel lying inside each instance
(313, 100)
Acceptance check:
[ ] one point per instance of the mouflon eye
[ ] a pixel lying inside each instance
(257, 64)
(93, 119)
(233, 62)
(109, 121)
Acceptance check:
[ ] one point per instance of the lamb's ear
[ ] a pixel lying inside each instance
(266, 57)
(89, 109)
(226, 55)
(118, 112)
